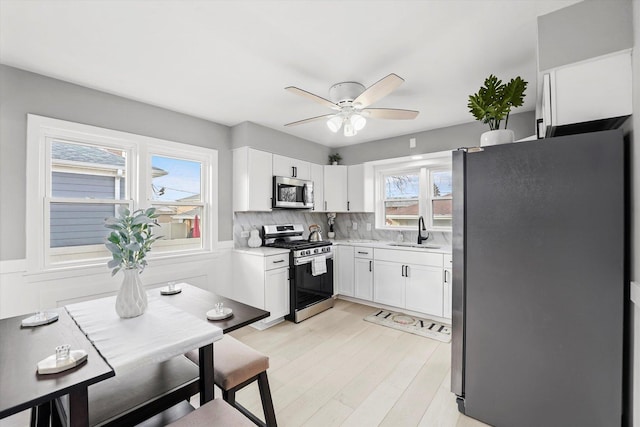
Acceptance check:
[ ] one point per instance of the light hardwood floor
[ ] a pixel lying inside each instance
(335, 369)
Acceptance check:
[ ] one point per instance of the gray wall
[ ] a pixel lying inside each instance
(449, 138)
(23, 92)
(267, 139)
(584, 30)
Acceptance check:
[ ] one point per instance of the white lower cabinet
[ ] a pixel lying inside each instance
(446, 294)
(389, 283)
(417, 280)
(423, 289)
(412, 280)
(363, 273)
(276, 293)
(343, 271)
(263, 282)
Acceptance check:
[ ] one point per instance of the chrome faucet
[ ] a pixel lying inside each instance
(421, 229)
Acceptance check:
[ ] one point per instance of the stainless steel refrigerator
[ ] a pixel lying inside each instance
(540, 281)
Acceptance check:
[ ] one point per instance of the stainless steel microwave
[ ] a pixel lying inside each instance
(292, 193)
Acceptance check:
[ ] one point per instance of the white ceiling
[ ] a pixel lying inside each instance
(229, 61)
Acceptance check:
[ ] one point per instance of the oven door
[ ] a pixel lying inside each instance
(307, 289)
(292, 193)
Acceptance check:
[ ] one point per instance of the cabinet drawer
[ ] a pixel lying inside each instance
(276, 261)
(409, 257)
(363, 252)
(448, 261)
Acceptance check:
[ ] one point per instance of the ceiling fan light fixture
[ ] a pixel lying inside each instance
(349, 130)
(358, 122)
(334, 123)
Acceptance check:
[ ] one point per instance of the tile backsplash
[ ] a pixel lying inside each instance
(343, 226)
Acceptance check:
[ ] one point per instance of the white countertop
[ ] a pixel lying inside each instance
(389, 245)
(262, 251)
(266, 251)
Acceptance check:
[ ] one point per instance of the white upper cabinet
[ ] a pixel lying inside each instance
(360, 188)
(317, 176)
(252, 180)
(293, 168)
(348, 188)
(335, 188)
(590, 90)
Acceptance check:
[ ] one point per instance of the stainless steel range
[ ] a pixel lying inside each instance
(310, 269)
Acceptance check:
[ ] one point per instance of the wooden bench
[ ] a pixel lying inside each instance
(236, 366)
(214, 413)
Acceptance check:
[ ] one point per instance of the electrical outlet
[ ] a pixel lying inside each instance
(244, 233)
(412, 143)
(355, 225)
(368, 226)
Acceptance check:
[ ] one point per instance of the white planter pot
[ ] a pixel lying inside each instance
(132, 298)
(495, 137)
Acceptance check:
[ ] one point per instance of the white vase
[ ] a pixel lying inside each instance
(132, 298)
(498, 136)
(254, 241)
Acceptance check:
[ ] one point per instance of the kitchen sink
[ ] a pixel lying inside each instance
(415, 245)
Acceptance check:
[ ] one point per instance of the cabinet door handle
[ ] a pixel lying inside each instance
(445, 276)
(278, 262)
(406, 271)
(363, 253)
(370, 262)
(325, 205)
(403, 271)
(348, 203)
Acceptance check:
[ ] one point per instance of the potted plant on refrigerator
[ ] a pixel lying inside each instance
(129, 241)
(493, 103)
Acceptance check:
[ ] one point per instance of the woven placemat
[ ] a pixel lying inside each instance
(415, 325)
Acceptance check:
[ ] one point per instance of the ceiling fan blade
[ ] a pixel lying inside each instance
(391, 113)
(378, 90)
(311, 96)
(309, 120)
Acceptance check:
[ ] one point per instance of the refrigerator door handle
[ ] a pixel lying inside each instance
(458, 276)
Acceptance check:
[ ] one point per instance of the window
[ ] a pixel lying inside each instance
(409, 191)
(78, 175)
(401, 199)
(440, 198)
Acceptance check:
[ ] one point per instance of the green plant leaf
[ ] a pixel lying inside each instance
(494, 100)
(113, 248)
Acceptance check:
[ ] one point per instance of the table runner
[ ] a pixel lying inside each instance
(162, 332)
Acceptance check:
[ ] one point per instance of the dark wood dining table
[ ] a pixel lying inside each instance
(197, 301)
(22, 388)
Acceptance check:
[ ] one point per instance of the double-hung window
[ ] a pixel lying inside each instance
(78, 175)
(401, 198)
(404, 193)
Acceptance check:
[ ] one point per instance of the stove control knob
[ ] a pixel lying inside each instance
(315, 251)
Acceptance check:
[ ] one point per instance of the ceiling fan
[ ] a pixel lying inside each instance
(350, 101)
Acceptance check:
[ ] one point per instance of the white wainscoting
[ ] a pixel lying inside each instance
(22, 293)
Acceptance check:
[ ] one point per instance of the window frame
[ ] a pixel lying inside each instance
(382, 195)
(425, 169)
(42, 130)
(431, 197)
